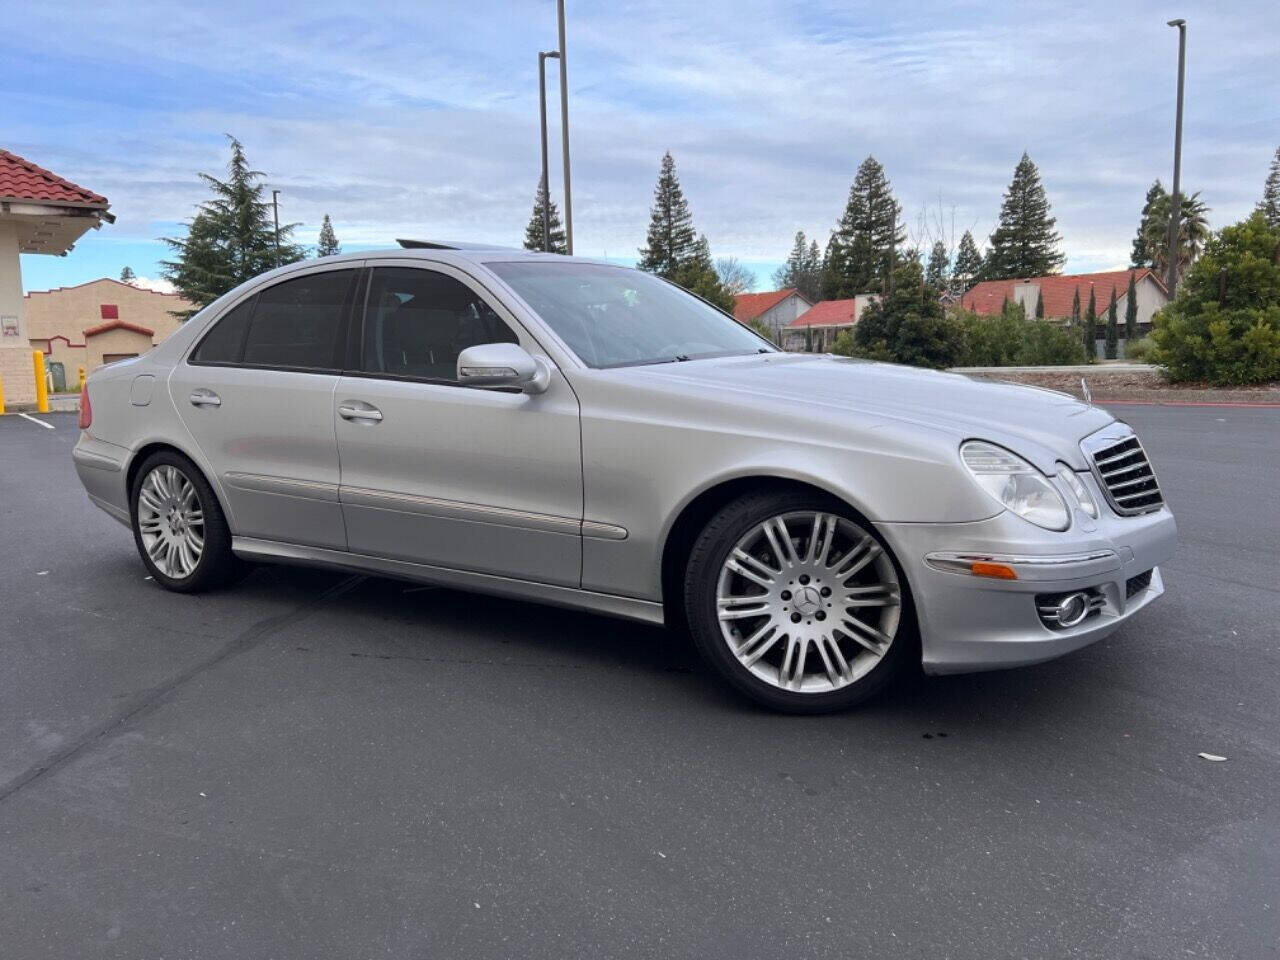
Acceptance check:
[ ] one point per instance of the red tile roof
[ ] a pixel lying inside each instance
(988, 297)
(748, 306)
(117, 325)
(827, 313)
(22, 180)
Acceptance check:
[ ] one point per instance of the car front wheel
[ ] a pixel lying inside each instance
(796, 602)
(178, 525)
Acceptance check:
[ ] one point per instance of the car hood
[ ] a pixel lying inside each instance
(1042, 425)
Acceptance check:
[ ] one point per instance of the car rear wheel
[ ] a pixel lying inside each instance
(178, 525)
(796, 602)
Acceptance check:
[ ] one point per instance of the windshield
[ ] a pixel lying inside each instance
(614, 316)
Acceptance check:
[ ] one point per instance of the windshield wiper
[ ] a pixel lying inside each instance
(681, 357)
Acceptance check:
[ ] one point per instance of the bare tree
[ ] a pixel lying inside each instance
(734, 276)
(937, 225)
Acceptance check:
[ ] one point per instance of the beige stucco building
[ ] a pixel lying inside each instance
(98, 322)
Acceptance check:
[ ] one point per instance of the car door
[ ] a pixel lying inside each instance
(256, 394)
(454, 476)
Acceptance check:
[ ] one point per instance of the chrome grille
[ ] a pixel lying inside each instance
(1126, 476)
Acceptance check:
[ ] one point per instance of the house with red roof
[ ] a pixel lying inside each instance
(40, 213)
(817, 328)
(775, 309)
(987, 298)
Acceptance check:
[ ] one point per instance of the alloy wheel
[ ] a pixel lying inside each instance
(171, 521)
(808, 601)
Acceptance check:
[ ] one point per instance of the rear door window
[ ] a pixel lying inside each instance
(296, 324)
(223, 344)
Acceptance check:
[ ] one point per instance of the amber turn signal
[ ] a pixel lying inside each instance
(997, 570)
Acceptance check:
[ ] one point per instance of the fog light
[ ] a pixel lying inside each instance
(1071, 609)
(1061, 611)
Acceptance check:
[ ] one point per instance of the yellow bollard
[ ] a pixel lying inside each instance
(82, 378)
(42, 388)
(1, 396)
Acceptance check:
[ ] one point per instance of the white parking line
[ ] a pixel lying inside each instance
(47, 426)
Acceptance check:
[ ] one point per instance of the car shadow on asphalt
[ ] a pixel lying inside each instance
(418, 622)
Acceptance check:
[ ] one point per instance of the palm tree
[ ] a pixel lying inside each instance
(1193, 231)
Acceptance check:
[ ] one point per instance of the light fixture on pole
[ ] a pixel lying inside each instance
(542, 108)
(1175, 212)
(275, 214)
(564, 134)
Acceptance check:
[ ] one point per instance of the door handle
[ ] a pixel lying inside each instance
(205, 398)
(358, 410)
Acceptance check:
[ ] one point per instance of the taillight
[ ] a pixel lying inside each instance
(86, 410)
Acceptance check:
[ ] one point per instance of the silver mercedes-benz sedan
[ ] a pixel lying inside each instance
(582, 434)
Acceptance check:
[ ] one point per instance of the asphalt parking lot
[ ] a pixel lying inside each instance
(319, 765)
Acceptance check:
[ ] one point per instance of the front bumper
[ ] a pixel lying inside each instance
(972, 623)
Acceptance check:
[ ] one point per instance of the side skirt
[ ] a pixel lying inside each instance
(627, 608)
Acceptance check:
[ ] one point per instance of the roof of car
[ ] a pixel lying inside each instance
(469, 254)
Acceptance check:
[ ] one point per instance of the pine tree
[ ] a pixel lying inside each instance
(1075, 309)
(327, 245)
(833, 260)
(792, 273)
(1141, 255)
(1269, 206)
(1024, 244)
(935, 273)
(127, 275)
(201, 268)
(671, 242)
(533, 239)
(698, 275)
(231, 238)
(803, 269)
(865, 238)
(1040, 304)
(1091, 327)
(812, 288)
(1131, 310)
(968, 264)
(1113, 331)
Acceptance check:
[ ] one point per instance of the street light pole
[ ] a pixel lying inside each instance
(542, 108)
(1176, 211)
(275, 213)
(564, 134)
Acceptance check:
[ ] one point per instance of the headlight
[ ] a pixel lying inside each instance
(1016, 484)
(1078, 490)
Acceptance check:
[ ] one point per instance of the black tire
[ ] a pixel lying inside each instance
(710, 551)
(216, 565)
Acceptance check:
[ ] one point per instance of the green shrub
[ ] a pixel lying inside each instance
(1232, 338)
(762, 328)
(844, 345)
(1050, 345)
(1010, 339)
(1139, 351)
(907, 325)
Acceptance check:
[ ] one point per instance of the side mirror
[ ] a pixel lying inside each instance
(502, 365)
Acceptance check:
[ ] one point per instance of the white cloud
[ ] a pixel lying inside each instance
(158, 284)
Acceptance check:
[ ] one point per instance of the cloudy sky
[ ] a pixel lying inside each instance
(420, 118)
